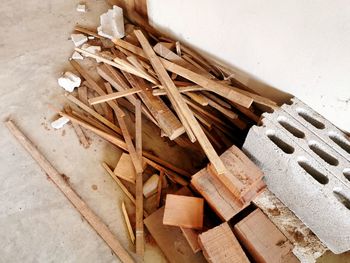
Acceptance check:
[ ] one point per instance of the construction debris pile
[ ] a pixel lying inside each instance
(130, 73)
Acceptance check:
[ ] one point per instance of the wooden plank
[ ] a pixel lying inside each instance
(211, 85)
(170, 240)
(71, 195)
(93, 113)
(183, 211)
(113, 96)
(119, 114)
(219, 245)
(128, 224)
(78, 131)
(166, 119)
(199, 98)
(140, 246)
(176, 99)
(262, 239)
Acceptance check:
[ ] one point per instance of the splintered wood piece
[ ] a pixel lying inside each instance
(128, 224)
(140, 246)
(78, 131)
(176, 99)
(263, 239)
(113, 96)
(191, 236)
(71, 195)
(94, 113)
(183, 211)
(211, 85)
(159, 92)
(150, 159)
(220, 245)
(166, 119)
(125, 168)
(171, 240)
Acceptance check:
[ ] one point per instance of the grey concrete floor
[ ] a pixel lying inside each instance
(37, 223)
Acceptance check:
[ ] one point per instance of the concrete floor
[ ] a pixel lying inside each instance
(37, 223)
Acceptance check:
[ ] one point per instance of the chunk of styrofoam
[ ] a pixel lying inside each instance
(150, 187)
(112, 23)
(59, 123)
(69, 81)
(78, 39)
(81, 8)
(77, 56)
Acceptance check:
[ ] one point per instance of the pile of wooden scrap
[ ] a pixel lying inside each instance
(195, 103)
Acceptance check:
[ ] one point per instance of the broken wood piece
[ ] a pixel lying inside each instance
(159, 92)
(71, 195)
(183, 211)
(87, 31)
(176, 99)
(82, 94)
(220, 245)
(262, 239)
(125, 169)
(78, 131)
(128, 224)
(199, 98)
(150, 186)
(112, 96)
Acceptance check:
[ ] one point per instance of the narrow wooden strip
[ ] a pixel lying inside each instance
(160, 92)
(78, 131)
(128, 224)
(199, 98)
(112, 96)
(93, 113)
(159, 187)
(71, 195)
(87, 31)
(217, 100)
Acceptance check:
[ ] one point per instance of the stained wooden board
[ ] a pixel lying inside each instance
(171, 240)
(263, 240)
(183, 211)
(220, 245)
(71, 195)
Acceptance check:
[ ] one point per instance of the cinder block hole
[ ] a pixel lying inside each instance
(346, 173)
(340, 140)
(317, 175)
(289, 127)
(279, 142)
(342, 198)
(310, 119)
(328, 158)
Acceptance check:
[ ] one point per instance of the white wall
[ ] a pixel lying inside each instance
(300, 47)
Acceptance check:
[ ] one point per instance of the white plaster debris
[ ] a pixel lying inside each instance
(150, 187)
(78, 39)
(112, 23)
(81, 8)
(91, 37)
(77, 56)
(91, 49)
(69, 81)
(59, 123)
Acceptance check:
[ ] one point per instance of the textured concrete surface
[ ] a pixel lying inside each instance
(37, 223)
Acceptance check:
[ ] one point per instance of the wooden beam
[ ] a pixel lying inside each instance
(71, 195)
(113, 96)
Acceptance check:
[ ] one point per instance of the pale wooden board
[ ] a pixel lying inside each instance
(184, 211)
(171, 240)
(263, 240)
(220, 245)
(125, 169)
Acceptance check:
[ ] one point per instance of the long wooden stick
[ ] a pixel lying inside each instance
(71, 195)
(140, 246)
(113, 96)
(128, 224)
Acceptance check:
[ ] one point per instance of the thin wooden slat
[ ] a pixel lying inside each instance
(78, 131)
(128, 224)
(113, 96)
(71, 195)
(87, 31)
(176, 98)
(160, 92)
(140, 247)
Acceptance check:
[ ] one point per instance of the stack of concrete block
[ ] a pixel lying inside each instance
(305, 160)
